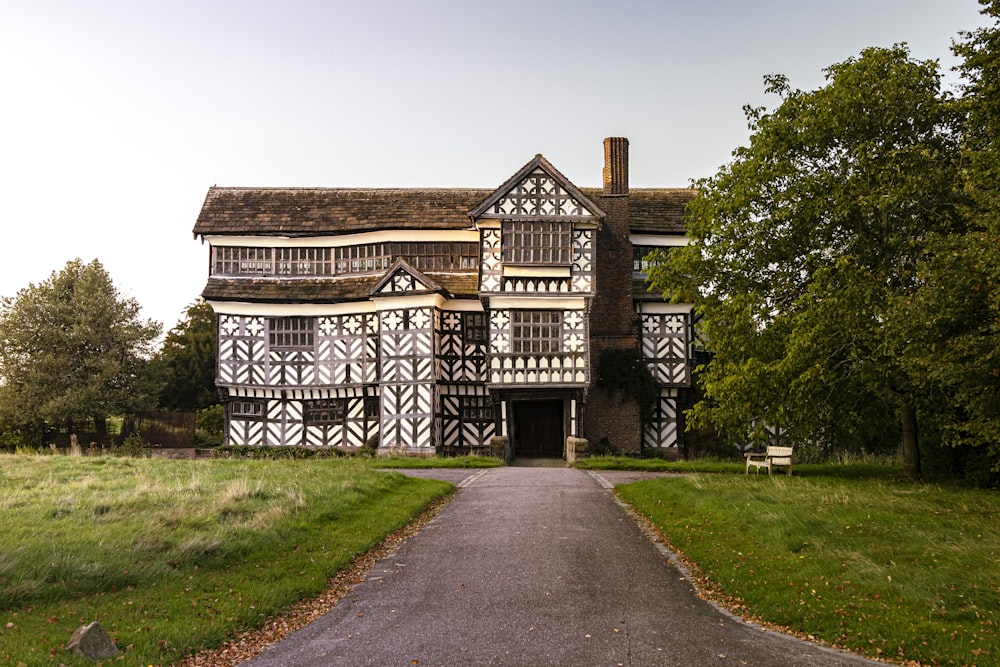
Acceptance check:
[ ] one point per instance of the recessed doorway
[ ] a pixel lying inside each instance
(538, 428)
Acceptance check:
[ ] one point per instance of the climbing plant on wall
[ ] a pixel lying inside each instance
(625, 372)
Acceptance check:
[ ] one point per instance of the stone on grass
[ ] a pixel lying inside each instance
(92, 642)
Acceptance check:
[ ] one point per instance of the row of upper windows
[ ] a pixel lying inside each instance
(342, 260)
(524, 242)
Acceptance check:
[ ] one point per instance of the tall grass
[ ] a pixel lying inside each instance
(881, 567)
(173, 556)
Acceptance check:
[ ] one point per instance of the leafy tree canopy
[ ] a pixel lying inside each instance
(801, 245)
(952, 334)
(72, 349)
(186, 361)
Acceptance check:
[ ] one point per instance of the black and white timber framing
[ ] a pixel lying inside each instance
(430, 320)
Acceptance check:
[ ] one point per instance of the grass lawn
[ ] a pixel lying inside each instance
(854, 470)
(879, 566)
(173, 556)
(453, 462)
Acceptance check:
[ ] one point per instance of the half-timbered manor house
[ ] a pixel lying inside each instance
(432, 320)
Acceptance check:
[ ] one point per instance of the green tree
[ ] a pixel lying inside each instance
(801, 245)
(186, 362)
(953, 332)
(72, 351)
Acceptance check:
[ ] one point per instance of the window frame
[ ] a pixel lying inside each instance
(537, 242)
(242, 261)
(475, 408)
(294, 332)
(536, 331)
(358, 259)
(324, 411)
(474, 328)
(303, 261)
(247, 409)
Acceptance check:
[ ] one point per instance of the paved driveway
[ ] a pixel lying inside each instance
(533, 566)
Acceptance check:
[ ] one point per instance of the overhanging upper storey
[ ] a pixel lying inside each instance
(538, 192)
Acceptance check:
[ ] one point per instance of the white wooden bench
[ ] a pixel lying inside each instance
(774, 456)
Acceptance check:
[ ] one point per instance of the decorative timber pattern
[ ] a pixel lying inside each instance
(347, 350)
(491, 263)
(662, 431)
(344, 357)
(246, 429)
(466, 417)
(462, 347)
(345, 353)
(407, 379)
(539, 195)
(537, 285)
(665, 347)
(242, 351)
(582, 273)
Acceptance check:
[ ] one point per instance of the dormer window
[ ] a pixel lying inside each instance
(537, 242)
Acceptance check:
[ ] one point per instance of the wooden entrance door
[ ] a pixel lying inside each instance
(538, 428)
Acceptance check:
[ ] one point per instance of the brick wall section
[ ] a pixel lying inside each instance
(613, 325)
(611, 415)
(613, 322)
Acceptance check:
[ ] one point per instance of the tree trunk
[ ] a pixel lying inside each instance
(911, 448)
(101, 428)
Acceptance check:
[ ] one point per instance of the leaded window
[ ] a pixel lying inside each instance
(291, 333)
(537, 242)
(371, 407)
(247, 409)
(237, 261)
(342, 260)
(303, 261)
(324, 411)
(438, 255)
(476, 408)
(366, 258)
(536, 331)
(474, 328)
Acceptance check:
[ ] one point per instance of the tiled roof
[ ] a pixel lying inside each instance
(330, 290)
(332, 211)
(654, 210)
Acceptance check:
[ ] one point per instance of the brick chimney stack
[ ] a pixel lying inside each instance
(614, 250)
(613, 323)
(616, 166)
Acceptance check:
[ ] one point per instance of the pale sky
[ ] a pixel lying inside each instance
(116, 116)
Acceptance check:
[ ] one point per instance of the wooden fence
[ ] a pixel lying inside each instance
(163, 429)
